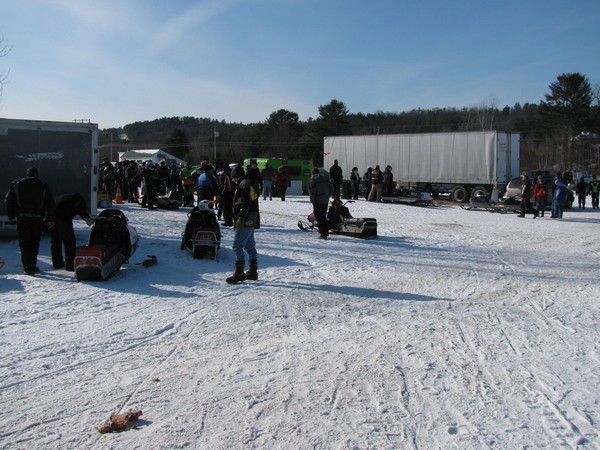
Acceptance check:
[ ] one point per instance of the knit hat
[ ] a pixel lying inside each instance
(32, 172)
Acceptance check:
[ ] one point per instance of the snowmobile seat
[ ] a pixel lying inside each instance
(202, 235)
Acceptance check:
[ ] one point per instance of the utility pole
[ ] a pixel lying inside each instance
(215, 136)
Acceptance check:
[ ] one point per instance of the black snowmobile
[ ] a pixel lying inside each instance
(340, 221)
(202, 235)
(164, 197)
(407, 197)
(111, 243)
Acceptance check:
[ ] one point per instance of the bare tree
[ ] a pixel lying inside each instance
(4, 50)
(596, 92)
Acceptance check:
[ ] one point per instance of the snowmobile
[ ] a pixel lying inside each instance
(164, 197)
(483, 203)
(407, 197)
(202, 235)
(340, 221)
(111, 243)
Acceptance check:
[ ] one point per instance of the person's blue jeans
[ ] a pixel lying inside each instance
(557, 209)
(267, 190)
(243, 243)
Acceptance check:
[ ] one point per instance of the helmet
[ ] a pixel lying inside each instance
(204, 205)
(237, 171)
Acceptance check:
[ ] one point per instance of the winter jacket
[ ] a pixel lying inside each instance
(267, 174)
(283, 178)
(70, 205)
(560, 193)
(540, 190)
(526, 190)
(320, 188)
(582, 188)
(335, 173)
(245, 205)
(376, 177)
(29, 197)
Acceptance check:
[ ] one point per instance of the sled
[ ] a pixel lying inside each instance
(202, 235)
(407, 197)
(166, 198)
(482, 203)
(110, 245)
(340, 221)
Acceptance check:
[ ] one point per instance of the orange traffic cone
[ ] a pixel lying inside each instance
(118, 196)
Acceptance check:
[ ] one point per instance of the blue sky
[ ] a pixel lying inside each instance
(120, 61)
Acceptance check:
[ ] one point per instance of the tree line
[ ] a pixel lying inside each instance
(561, 132)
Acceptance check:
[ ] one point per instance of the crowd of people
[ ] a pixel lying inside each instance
(538, 191)
(233, 189)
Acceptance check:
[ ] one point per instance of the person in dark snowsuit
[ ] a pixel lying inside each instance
(62, 233)
(320, 189)
(226, 194)
(148, 174)
(582, 191)
(29, 201)
(355, 181)
(367, 180)
(594, 189)
(336, 176)
(254, 175)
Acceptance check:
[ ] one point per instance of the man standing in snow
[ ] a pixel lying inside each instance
(320, 190)
(594, 189)
(526, 194)
(336, 176)
(30, 202)
(560, 195)
(246, 218)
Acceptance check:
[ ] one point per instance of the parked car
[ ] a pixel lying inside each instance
(512, 195)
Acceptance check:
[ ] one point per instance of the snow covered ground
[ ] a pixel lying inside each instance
(453, 329)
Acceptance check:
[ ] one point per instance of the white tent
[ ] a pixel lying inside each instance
(155, 155)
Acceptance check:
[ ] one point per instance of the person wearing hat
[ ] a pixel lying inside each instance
(246, 218)
(283, 181)
(29, 201)
(320, 189)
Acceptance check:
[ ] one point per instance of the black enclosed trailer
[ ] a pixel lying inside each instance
(65, 154)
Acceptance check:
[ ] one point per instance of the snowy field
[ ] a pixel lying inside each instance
(453, 329)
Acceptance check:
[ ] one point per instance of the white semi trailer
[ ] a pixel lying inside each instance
(463, 164)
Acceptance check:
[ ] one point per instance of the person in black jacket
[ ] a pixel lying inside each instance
(336, 176)
(62, 233)
(246, 218)
(148, 174)
(320, 189)
(29, 201)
